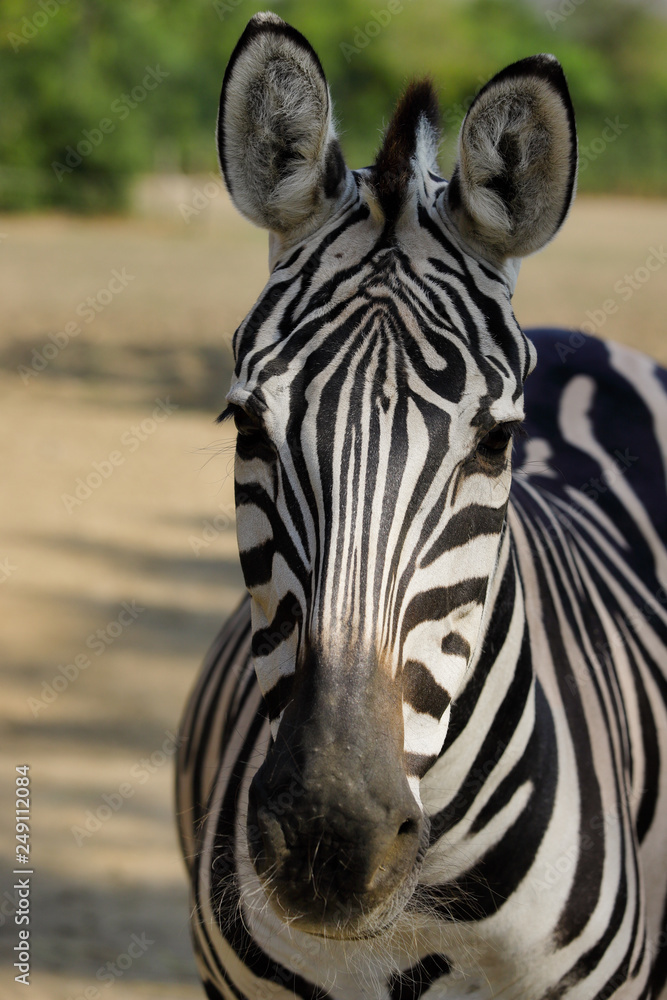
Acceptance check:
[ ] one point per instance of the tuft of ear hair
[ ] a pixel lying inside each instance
(515, 176)
(277, 146)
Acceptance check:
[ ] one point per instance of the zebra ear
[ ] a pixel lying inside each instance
(515, 176)
(277, 146)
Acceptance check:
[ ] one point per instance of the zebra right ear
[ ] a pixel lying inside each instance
(278, 149)
(515, 177)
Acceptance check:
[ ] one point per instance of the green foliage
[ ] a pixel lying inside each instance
(82, 113)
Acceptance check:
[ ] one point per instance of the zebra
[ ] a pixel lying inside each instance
(423, 758)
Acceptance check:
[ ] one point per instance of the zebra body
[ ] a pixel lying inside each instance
(423, 757)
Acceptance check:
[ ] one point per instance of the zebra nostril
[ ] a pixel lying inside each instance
(396, 859)
(408, 826)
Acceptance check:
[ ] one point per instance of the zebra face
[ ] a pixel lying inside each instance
(378, 385)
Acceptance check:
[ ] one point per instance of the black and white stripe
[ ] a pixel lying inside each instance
(492, 663)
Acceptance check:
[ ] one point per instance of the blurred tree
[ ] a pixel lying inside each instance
(96, 91)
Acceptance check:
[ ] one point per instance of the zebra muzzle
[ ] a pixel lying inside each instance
(334, 832)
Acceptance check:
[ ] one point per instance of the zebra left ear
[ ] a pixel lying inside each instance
(515, 177)
(277, 145)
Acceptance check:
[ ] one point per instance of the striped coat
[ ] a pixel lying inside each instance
(424, 755)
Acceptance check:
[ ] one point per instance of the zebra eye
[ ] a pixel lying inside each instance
(494, 444)
(252, 440)
(246, 423)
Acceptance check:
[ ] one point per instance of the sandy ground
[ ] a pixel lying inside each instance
(113, 582)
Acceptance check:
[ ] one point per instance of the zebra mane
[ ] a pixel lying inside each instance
(415, 121)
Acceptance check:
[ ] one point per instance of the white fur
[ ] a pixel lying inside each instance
(529, 112)
(277, 108)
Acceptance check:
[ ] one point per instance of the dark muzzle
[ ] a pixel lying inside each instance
(334, 831)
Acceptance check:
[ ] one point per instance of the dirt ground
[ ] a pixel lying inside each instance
(114, 361)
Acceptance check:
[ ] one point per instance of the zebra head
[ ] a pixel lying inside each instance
(377, 386)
